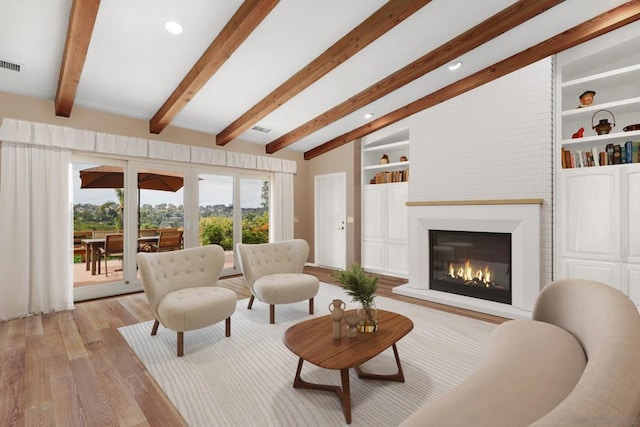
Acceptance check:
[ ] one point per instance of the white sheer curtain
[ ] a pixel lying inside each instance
(34, 230)
(282, 207)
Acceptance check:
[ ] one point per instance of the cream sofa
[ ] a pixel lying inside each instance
(576, 363)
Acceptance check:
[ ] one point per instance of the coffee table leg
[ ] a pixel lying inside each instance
(344, 393)
(398, 376)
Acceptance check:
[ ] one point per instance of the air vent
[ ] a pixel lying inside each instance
(9, 65)
(261, 129)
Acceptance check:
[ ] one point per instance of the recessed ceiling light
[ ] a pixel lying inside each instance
(455, 65)
(368, 115)
(173, 27)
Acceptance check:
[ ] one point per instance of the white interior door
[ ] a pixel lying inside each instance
(330, 192)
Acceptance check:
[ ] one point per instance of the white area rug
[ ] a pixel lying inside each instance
(247, 379)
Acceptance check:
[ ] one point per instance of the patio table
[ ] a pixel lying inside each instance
(92, 246)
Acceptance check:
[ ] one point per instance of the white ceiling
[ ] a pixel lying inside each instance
(133, 64)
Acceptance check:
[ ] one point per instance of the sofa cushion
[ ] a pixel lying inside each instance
(530, 367)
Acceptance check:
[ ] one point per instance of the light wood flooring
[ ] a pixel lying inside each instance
(73, 368)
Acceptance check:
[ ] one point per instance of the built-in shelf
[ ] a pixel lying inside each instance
(387, 147)
(620, 76)
(488, 202)
(610, 138)
(621, 106)
(388, 166)
(385, 217)
(595, 232)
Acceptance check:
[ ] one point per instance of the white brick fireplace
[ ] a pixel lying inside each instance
(520, 218)
(494, 142)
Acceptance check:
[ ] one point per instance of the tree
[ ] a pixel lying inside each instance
(255, 228)
(119, 219)
(264, 195)
(217, 230)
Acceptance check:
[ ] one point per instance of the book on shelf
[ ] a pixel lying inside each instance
(385, 177)
(612, 154)
(617, 154)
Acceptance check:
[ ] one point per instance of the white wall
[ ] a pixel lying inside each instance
(494, 142)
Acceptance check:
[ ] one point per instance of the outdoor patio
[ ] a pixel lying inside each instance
(83, 277)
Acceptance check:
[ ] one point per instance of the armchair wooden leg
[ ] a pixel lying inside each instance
(227, 327)
(250, 302)
(154, 330)
(310, 305)
(180, 344)
(272, 313)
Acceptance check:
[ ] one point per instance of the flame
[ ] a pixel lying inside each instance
(466, 272)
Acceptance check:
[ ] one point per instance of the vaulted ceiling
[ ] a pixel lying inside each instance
(294, 74)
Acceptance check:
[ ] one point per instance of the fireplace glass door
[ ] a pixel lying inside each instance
(474, 264)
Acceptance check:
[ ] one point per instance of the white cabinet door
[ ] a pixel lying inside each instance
(385, 247)
(631, 274)
(373, 256)
(397, 213)
(590, 213)
(397, 259)
(604, 272)
(374, 211)
(630, 223)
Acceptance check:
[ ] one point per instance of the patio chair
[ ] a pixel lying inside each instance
(169, 240)
(144, 244)
(113, 247)
(80, 248)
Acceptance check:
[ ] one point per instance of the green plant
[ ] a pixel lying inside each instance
(359, 285)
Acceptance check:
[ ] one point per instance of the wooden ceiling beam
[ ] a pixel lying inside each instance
(82, 19)
(487, 30)
(383, 20)
(248, 16)
(595, 27)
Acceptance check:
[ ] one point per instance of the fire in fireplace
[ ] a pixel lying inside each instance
(471, 263)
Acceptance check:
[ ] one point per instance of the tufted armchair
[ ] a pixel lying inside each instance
(181, 289)
(273, 272)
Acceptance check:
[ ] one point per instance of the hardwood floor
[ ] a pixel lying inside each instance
(73, 368)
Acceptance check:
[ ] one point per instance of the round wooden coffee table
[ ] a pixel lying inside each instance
(313, 341)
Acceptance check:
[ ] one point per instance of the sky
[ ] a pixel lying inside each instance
(214, 190)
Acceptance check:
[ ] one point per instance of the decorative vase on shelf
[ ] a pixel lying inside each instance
(603, 127)
(384, 159)
(368, 318)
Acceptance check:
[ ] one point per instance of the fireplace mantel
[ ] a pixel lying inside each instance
(520, 217)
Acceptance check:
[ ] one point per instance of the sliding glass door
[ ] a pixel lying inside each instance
(99, 222)
(216, 218)
(157, 207)
(220, 220)
(254, 208)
